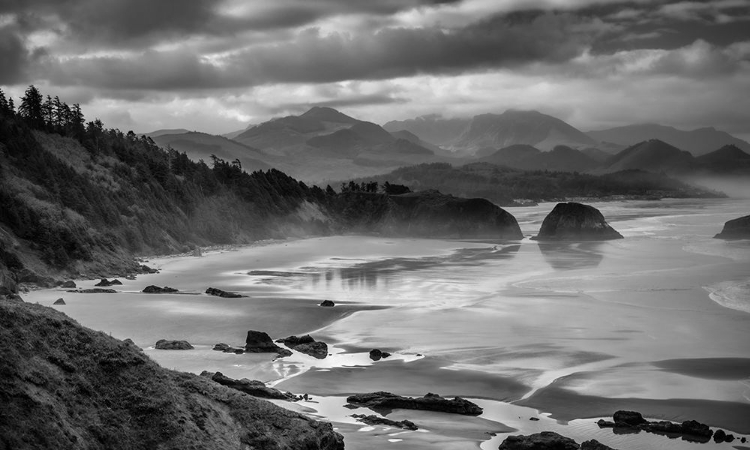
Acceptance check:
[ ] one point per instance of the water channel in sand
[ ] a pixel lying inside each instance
(657, 316)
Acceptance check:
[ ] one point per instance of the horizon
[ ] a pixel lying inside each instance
(216, 67)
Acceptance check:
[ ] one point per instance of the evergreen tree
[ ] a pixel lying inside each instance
(31, 108)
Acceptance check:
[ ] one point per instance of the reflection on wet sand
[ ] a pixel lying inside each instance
(572, 255)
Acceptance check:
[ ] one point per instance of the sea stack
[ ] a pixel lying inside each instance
(736, 229)
(576, 222)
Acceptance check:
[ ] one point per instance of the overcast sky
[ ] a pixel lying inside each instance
(217, 66)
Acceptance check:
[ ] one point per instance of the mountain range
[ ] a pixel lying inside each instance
(322, 144)
(698, 142)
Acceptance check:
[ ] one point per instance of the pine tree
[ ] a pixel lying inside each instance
(31, 107)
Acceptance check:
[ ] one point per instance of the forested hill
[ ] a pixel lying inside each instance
(75, 196)
(504, 186)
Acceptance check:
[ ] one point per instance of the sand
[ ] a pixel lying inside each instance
(527, 329)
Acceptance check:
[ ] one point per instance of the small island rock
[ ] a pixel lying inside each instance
(736, 229)
(546, 440)
(327, 303)
(575, 222)
(158, 290)
(163, 344)
(59, 301)
(307, 345)
(430, 402)
(261, 342)
(223, 294)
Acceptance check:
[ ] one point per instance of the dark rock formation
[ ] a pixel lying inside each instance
(576, 222)
(228, 349)
(75, 388)
(377, 354)
(327, 303)
(689, 429)
(27, 276)
(593, 444)
(377, 420)
(163, 344)
(546, 440)
(59, 301)
(146, 269)
(220, 293)
(158, 290)
(68, 285)
(106, 283)
(307, 345)
(736, 229)
(260, 342)
(95, 291)
(430, 402)
(252, 387)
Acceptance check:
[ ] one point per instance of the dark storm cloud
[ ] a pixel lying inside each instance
(13, 57)
(316, 57)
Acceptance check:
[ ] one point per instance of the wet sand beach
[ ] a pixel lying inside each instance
(564, 332)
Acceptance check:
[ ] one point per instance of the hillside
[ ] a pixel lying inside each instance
(527, 157)
(199, 146)
(65, 386)
(433, 128)
(697, 142)
(729, 159)
(653, 156)
(324, 142)
(504, 186)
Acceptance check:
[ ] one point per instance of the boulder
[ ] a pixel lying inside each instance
(430, 402)
(575, 222)
(251, 387)
(719, 436)
(377, 354)
(158, 290)
(95, 291)
(59, 301)
(163, 344)
(546, 440)
(260, 342)
(631, 418)
(220, 293)
(146, 269)
(377, 420)
(68, 285)
(736, 229)
(695, 428)
(307, 345)
(327, 303)
(593, 444)
(228, 349)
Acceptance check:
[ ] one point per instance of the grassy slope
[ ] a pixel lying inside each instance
(65, 386)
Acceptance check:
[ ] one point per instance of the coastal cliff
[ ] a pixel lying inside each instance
(736, 229)
(68, 387)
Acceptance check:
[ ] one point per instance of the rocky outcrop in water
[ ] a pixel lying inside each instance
(327, 303)
(67, 387)
(549, 440)
(261, 342)
(251, 387)
(223, 294)
(691, 430)
(377, 420)
(152, 289)
(377, 354)
(307, 345)
(430, 402)
(736, 229)
(59, 301)
(575, 222)
(163, 344)
(68, 284)
(95, 291)
(106, 283)
(226, 348)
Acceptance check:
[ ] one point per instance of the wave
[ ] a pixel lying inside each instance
(731, 294)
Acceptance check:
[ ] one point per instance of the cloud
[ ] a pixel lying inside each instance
(315, 57)
(13, 57)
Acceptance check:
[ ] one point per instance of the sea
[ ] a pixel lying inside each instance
(555, 331)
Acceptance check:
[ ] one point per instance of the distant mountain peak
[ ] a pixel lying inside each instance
(327, 114)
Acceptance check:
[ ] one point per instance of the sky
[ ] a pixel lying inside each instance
(220, 65)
